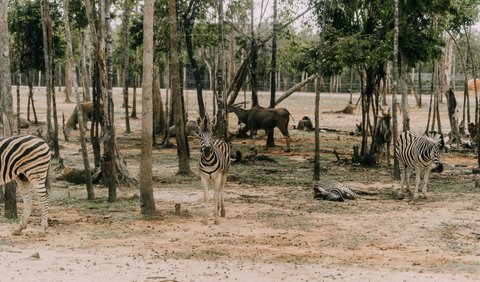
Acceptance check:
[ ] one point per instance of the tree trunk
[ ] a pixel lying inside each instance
(253, 59)
(86, 164)
(273, 73)
(158, 115)
(126, 61)
(68, 70)
(6, 100)
(405, 115)
(109, 146)
(85, 72)
(396, 164)
(147, 202)
(222, 122)
(188, 27)
(182, 151)
(134, 98)
(47, 29)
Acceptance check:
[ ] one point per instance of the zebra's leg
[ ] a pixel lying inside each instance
(418, 173)
(408, 173)
(26, 192)
(205, 199)
(41, 189)
(222, 187)
(425, 182)
(402, 181)
(216, 195)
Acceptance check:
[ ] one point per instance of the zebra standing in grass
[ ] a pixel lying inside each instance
(418, 153)
(26, 159)
(214, 164)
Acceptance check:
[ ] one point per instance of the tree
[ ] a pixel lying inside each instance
(48, 59)
(147, 202)
(182, 147)
(273, 72)
(7, 119)
(396, 164)
(126, 60)
(222, 123)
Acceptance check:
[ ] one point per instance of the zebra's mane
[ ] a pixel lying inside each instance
(436, 138)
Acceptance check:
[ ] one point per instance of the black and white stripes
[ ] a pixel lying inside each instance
(214, 164)
(418, 153)
(26, 159)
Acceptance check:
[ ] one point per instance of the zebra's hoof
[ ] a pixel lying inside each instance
(222, 213)
(423, 196)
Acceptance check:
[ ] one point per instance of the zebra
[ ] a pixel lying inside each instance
(214, 164)
(418, 153)
(26, 159)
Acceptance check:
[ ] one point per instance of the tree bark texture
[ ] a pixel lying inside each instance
(147, 202)
(6, 100)
(182, 151)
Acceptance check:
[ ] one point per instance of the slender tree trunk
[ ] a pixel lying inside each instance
(405, 115)
(134, 98)
(88, 175)
(68, 72)
(396, 164)
(47, 28)
(109, 154)
(85, 72)
(253, 60)
(183, 159)
(147, 202)
(126, 61)
(273, 73)
(158, 116)
(188, 26)
(222, 122)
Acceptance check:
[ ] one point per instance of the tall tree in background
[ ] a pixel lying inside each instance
(48, 58)
(222, 123)
(273, 72)
(7, 119)
(147, 202)
(182, 150)
(189, 17)
(126, 60)
(396, 164)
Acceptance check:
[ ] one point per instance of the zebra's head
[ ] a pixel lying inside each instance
(437, 149)
(205, 132)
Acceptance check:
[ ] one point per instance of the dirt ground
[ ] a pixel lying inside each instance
(273, 231)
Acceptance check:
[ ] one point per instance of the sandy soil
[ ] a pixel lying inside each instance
(271, 233)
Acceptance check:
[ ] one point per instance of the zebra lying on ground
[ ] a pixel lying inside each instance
(332, 190)
(26, 159)
(214, 164)
(418, 153)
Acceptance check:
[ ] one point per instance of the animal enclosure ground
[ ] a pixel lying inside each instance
(273, 230)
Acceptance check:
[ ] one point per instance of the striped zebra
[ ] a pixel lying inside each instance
(214, 164)
(418, 153)
(26, 159)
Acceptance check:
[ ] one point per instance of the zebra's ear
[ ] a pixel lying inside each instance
(199, 120)
(214, 121)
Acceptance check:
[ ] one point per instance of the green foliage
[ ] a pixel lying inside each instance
(25, 25)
